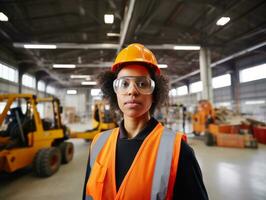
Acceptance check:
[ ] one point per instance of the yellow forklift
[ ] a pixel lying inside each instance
(102, 119)
(26, 139)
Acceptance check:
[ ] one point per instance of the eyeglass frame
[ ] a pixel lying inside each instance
(135, 85)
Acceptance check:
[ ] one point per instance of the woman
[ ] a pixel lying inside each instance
(141, 159)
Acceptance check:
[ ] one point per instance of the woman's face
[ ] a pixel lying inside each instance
(133, 103)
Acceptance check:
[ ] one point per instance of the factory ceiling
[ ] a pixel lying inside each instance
(80, 36)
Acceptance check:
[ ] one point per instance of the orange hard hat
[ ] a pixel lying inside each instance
(136, 53)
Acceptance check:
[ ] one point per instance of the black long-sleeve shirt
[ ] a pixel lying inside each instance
(188, 184)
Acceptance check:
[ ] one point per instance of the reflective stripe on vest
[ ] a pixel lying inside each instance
(99, 145)
(162, 165)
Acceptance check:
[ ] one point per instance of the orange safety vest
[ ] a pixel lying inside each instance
(151, 175)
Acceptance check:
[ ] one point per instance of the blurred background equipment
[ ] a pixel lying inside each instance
(26, 139)
(223, 127)
(102, 119)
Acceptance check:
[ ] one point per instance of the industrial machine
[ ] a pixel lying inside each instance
(222, 128)
(203, 116)
(26, 139)
(102, 119)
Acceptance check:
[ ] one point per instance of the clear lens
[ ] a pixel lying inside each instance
(143, 84)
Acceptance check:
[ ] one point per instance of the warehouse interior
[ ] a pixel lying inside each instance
(52, 51)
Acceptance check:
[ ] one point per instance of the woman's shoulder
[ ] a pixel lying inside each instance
(186, 151)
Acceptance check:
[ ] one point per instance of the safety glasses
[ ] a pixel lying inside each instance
(142, 84)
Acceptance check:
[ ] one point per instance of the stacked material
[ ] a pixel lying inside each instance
(226, 116)
(235, 130)
(260, 133)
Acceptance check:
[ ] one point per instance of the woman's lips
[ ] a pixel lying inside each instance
(131, 103)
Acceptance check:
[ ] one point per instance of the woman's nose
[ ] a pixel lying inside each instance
(132, 90)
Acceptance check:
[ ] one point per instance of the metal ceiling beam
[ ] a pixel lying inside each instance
(115, 9)
(227, 9)
(125, 24)
(234, 20)
(102, 46)
(151, 12)
(260, 29)
(81, 27)
(74, 45)
(240, 53)
(185, 76)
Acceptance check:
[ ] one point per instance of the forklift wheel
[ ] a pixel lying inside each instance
(47, 162)
(37, 162)
(67, 151)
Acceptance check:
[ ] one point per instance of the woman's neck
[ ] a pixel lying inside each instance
(134, 125)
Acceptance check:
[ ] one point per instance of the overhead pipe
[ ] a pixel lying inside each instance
(240, 53)
(125, 24)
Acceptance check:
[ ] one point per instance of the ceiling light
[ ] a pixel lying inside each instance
(108, 18)
(95, 92)
(72, 92)
(3, 17)
(88, 83)
(71, 66)
(162, 65)
(113, 34)
(80, 76)
(186, 47)
(222, 21)
(39, 46)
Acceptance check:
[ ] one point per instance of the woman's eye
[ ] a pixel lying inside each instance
(142, 84)
(124, 84)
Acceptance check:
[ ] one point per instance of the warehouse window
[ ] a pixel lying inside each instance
(40, 108)
(172, 93)
(41, 86)
(28, 81)
(221, 81)
(253, 73)
(255, 102)
(183, 90)
(8, 73)
(195, 87)
(50, 90)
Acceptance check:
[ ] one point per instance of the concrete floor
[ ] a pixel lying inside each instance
(66, 184)
(229, 174)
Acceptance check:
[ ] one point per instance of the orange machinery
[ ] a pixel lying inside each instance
(204, 121)
(204, 115)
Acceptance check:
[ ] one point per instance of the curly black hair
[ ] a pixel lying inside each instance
(160, 93)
